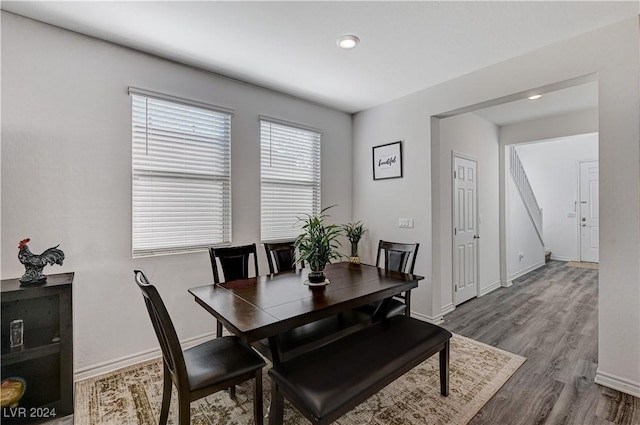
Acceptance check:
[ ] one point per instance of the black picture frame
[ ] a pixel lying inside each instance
(387, 161)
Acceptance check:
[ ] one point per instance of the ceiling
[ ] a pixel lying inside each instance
(291, 46)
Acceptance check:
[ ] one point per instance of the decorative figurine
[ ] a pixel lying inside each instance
(34, 263)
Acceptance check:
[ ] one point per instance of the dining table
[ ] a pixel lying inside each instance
(266, 306)
(269, 306)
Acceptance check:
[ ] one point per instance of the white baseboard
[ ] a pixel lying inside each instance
(506, 284)
(560, 258)
(119, 363)
(435, 320)
(490, 288)
(525, 271)
(617, 383)
(446, 309)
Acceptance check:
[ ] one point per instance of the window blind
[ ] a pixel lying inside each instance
(181, 176)
(290, 178)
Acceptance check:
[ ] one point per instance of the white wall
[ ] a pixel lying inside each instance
(552, 169)
(611, 53)
(561, 125)
(472, 135)
(524, 249)
(66, 177)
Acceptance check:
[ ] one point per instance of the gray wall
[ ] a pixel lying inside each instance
(66, 178)
(611, 53)
(474, 136)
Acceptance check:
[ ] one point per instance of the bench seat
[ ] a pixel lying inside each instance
(326, 383)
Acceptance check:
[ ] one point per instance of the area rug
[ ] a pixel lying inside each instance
(477, 371)
(583, 265)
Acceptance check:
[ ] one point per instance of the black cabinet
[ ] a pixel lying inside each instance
(45, 359)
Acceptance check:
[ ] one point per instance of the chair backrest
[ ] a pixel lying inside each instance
(283, 254)
(166, 333)
(397, 256)
(234, 261)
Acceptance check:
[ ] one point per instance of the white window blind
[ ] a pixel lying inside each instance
(290, 178)
(181, 176)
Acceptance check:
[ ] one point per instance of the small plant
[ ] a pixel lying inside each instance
(318, 244)
(354, 232)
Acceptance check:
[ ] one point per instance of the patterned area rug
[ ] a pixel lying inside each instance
(583, 265)
(133, 395)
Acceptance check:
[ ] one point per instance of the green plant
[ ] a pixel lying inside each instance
(354, 232)
(318, 244)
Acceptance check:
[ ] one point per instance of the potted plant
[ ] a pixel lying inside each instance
(318, 244)
(354, 232)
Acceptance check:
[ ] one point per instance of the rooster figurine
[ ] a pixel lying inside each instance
(34, 263)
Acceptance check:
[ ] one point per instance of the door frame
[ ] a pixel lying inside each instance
(578, 206)
(454, 155)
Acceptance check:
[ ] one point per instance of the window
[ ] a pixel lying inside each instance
(181, 174)
(290, 177)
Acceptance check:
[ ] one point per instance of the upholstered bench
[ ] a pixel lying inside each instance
(326, 383)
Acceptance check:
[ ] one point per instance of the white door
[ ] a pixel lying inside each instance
(589, 218)
(465, 232)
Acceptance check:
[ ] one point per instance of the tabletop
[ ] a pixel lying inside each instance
(265, 306)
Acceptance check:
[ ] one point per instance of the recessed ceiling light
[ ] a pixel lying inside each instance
(348, 41)
(535, 96)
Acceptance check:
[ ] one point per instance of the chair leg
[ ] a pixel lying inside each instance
(444, 370)
(166, 395)
(277, 405)
(232, 392)
(407, 302)
(218, 329)
(184, 409)
(257, 398)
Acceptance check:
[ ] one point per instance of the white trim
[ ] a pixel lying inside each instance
(288, 123)
(182, 100)
(446, 309)
(495, 285)
(435, 320)
(560, 258)
(506, 284)
(119, 363)
(525, 271)
(617, 383)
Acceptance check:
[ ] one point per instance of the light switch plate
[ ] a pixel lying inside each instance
(406, 223)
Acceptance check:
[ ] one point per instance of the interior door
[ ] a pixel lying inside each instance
(465, 231)
(589, 217)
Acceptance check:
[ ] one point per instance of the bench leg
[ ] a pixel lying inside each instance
(257, 398)
(276, 410)
(444, 370)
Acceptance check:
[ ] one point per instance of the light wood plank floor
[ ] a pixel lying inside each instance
(550, 316)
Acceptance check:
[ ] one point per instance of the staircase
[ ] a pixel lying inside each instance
(529, 199)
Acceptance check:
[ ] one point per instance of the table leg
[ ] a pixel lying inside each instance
(275, 350)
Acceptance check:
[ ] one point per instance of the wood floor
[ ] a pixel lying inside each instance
(549, 316)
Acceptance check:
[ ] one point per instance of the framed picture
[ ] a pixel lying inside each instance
(387, 161)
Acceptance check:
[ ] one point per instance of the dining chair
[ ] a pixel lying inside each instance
(399, 257)
(234, 261)
(202, 370)
(281, 254)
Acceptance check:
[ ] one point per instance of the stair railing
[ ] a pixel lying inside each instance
(524, 187)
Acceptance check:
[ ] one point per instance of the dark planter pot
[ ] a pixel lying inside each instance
(316, 277)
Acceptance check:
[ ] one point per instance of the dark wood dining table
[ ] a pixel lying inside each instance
(266, 306)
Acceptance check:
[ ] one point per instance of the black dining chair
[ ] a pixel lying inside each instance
(399, 257)
(282, 255)
(234, 261)
(202, 370)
